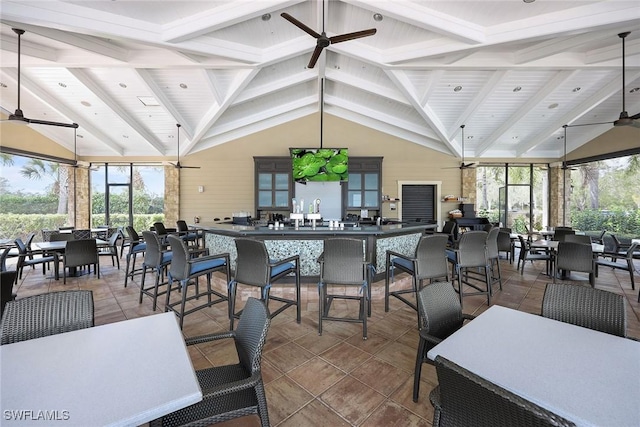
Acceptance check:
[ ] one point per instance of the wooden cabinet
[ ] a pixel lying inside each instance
(364, 188)
(273, 184)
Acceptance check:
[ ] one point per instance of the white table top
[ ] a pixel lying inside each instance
(120, 374)
(585, 376)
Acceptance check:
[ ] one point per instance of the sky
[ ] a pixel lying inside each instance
(153, 178)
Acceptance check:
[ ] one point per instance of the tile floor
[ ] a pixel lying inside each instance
(336, 379)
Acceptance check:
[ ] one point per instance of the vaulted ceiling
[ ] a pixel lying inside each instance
(512, 72)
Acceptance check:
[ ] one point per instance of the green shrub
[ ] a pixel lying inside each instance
(620, 222)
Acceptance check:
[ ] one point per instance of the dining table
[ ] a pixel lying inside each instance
(58, 247)
(119, 374)
(583, 375)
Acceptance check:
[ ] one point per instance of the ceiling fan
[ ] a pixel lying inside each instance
(177, 165)
(625, 119)
(18, 116)
(322, 39)
(463, 165)
(77, 164)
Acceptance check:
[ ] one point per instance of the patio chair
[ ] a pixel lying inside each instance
(526, 254)
(157, 260)
(626, 264)
(471, 266)
(137, 246)
(428, 262)
(46, 314)
(255, 268)
(462, 398)
(343, 265)
(185, 269)
(591, 308)
(230, 391)
(7, 279)
(24, 260)
(111, 249)
(572, 256)
(440, 315)
(79, 253)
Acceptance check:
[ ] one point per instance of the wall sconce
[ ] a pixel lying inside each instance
(200, 189)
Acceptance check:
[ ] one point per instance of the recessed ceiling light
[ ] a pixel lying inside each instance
(149, 101)
(122, 85)
(528, 1)
(266, 17)
(80, 135)
(560, 137)
(576, 89)
(85, 103)
(183, 86)
(457, 88)
(470, 137)
(125, 136)
(170, 136)
(634, 90)
(514, 137)
(377, 17)
(517, 89)
(2, 85)
(552, 106)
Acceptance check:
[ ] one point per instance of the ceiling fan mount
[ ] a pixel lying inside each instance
(177, 164)
(625, 119)
(18, 115)
(463, 165)
(322, 41)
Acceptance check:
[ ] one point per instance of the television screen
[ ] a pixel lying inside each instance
(320, 164)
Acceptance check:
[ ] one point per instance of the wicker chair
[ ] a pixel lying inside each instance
(46, 314)
(505, 244)
(493, 257)
(23, 259)
(7, 279)
(231, 391)
(428, 262)
(184, 268)
(343, 263)
(84, 234)
(111, 249)
(526, 254)
(561, 232)
(578, 238)
(61, 237)
(465, 399)
(156, 260)
(255, 268)
(575, 257)
(468, 259)
(137, 246)
(450, 229)
(440, 315)
(79, 253)
(626, 265)
(591, 308)
(189, 236)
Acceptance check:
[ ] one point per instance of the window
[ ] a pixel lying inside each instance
(273, 184)
(363, 190)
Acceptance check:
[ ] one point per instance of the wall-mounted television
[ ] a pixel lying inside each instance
(320, 164)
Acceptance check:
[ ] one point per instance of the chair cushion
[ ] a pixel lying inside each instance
(167, 257)
(403, 263)
(197, 267)
(282, 267)
(140, 247)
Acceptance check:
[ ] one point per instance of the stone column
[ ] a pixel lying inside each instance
(557, 196)
(469, 185)
(171, 195)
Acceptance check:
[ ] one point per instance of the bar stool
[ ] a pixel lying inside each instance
(254, 268)
(136, 247)
(156, 260)
(428, 262)
(470, 256)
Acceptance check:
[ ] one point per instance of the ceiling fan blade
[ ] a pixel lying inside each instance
(46, 122)
(300, 25)
(635, 116)
(189, 167)
(314, 57)
(352, 36)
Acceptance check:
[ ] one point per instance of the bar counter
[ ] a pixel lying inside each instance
(308, 242)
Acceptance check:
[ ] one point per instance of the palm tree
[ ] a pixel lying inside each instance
(37, 169)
